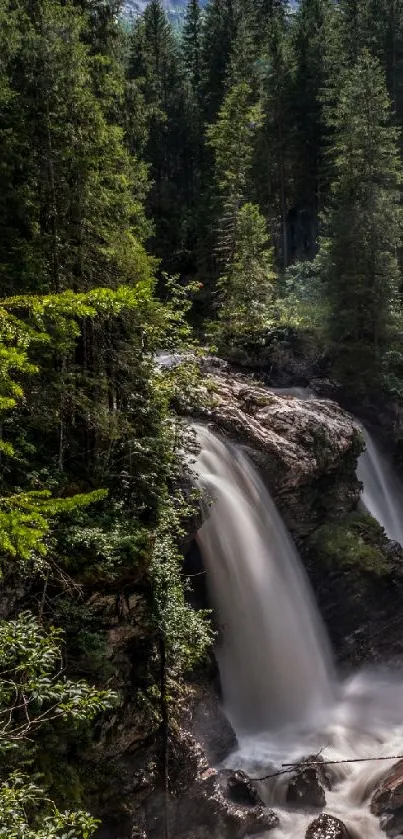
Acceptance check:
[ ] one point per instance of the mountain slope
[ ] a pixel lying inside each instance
(175, 8)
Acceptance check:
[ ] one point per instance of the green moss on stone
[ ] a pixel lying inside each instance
(357, 541)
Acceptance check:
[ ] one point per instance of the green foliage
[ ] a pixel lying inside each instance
(186, 633)
(191, 44)
(34, 693)
(157, 74)
(19, 796)
(24, 523)
(275, 168)
(231, 138)
(33, 690)
(359, 254)
(71, 196)
(314, 23)
(218, 34)
(105, 546)
(84, 638)
(247, 288)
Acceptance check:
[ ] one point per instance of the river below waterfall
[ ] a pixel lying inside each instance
(279, 685)
(366, 722)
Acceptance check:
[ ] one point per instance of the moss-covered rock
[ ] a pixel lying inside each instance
(357, 575)
(356, 541)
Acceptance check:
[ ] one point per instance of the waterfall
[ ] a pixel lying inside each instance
(273, 653)
(277, 678)
(382, 491)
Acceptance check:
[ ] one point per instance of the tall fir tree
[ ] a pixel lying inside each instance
(376, 25)
(363, 224)
(246, 289)
(192, 59)
(192, 47)
(76, 214)
(219, 31)
(273, 173)
(232, 139)
(157, 68)
(310, 40)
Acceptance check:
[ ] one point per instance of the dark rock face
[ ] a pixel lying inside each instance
(210, 726)
(327, 827)
(306, 790)
(387, 801)
(361, 606)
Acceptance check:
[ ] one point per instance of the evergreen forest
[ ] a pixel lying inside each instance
(230, 187)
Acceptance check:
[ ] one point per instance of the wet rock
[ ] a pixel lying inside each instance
(394, 551)
(306, 789)
(327, 827)
(259, 820)
(211, 727)
(197, 805)
(387, 801)
(241, 790)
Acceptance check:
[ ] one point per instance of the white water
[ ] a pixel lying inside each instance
(269, 678)
(278, 682)
(383, 493)
(366, 722)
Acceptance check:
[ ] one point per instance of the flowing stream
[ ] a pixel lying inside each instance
(279, 686)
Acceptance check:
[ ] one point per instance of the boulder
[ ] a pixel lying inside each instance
(241, 790)
(197, 807)
(306, 449)
(306, 789)
(327, 827)
(387, 801)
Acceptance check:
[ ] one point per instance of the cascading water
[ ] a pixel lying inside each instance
(278, 682)
(269, 677)
(382, 494)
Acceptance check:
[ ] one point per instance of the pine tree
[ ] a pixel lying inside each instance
(243, 65)
(157, 68)
(102, 24)
(273, 174)
(192, 46)
(264, 11)
(232, 140)
(376, 25)
(77, 215)
(313, 20)
(218, 34)
(246, 289)
(363, 223)
(191, 49)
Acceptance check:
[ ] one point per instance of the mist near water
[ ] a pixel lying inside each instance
(279, 685)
